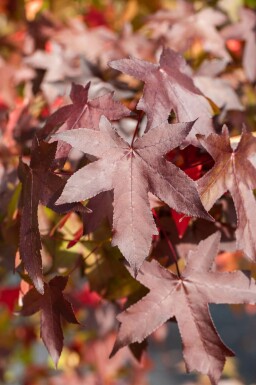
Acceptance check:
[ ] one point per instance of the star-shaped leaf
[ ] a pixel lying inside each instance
(83, 112)
(200, 28)
(53, 305)
(186, 298)
(168, 86)
(235, 172)
(132, 171)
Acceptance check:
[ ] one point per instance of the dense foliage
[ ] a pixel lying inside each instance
(127, 165)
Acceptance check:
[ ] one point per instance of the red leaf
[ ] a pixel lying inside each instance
(95, 17)
(181, 222)
(9, 297)
(76, 238)
(87, 297)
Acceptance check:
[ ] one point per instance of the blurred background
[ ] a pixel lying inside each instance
(45, 45)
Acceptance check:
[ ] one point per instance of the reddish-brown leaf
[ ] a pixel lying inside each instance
(102, 208)
(132, 171)
(186, 298)
(234, 171)
(168, 86)
(53, 305)
(83, 113)
(39, 184)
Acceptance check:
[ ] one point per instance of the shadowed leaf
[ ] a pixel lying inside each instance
(39, 184)
(234, 171)
(53, 306)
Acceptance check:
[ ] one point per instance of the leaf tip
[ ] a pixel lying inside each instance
(111, 64)
(115, 349)
(39, 285)
(209, 217)
(55, 357)
(134, 269)
(60, 201)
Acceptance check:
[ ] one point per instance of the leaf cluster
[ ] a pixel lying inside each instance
(136, 181)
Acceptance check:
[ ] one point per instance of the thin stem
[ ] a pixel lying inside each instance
(175, 257)
(59, 224)
(56, 238)
(76, 265)
(92, 251)
(80, 259)
(96, 248)
(169, 243)
(137, 127)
